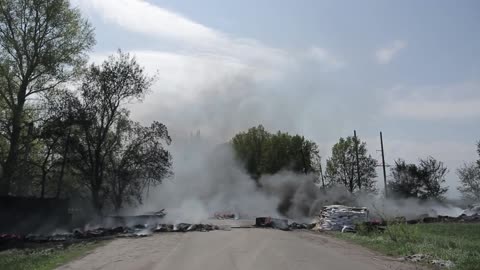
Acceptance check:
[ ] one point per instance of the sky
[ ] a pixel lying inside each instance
(410, 69)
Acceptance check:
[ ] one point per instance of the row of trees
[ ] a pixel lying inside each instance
(427, 179)
(64, 127)
(265, 153)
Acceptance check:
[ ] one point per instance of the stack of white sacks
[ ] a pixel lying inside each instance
(341, 218)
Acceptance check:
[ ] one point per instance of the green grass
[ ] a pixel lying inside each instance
(43, 258)
(457, 242)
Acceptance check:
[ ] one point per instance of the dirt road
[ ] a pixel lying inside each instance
(237, 249)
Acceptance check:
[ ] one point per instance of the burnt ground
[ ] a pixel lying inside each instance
(243, 248)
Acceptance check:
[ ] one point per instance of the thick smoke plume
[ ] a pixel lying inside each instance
(208, 179)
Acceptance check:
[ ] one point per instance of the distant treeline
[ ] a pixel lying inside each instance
(263, 153)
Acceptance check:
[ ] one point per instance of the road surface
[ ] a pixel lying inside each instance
(242, 249)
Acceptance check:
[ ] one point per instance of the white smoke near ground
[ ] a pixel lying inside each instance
(222, 84)
(410, 208)
(208, 179)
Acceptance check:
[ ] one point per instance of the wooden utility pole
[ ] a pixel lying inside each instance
(358, 163)
(321, 176)
(383, 165)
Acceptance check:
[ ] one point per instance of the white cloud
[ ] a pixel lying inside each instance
(141, 16)
(325, 58)
(439, 109)
(188, 36)
(186, 76)
(457, 101)
(386, 55)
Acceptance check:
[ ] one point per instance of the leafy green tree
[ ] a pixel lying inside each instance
(42, 45)
(342, 167)
(478, 151)
(104, 92)
(249, 148)
(422, 181)
(51, 139)
(266, 153)
(139, 160)
(469, 176)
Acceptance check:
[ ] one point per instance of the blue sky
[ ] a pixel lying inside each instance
(320, 68)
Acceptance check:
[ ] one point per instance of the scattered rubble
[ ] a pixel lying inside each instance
(341, 218)
(300, 226)
(425, 258)
(281, 224)
(463, 218)
(140, 230)
(334, 217)
(225, 215)
(269, 222)
(442, 264)
(416, 258)
(348, 228)
(146, 218)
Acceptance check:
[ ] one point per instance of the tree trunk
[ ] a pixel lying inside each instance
(44, 181)
(64, 163)
(118, 203)
(11, 163)
(96, 200)
(351, 180)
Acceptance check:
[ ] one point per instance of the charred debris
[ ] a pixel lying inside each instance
(331, 218)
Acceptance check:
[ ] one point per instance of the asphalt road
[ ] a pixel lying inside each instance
(256, 249)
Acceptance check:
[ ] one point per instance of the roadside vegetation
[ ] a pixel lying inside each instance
(44, 258)
(459, 243)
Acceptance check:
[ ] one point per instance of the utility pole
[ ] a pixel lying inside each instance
(383, 165)
(358, 163)
(321, 176)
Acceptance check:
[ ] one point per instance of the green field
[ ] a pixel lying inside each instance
(43, 258)
(459, 243)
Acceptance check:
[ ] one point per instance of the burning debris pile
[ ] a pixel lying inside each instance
(147, 218)
(281, 224)
(331, 218)
(8, 240)
(268, 222)
(341, 218)
(460, 219)
(186, 227)
(225, 215)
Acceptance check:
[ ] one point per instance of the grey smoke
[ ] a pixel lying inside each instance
(207, 176)
(208, 179)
